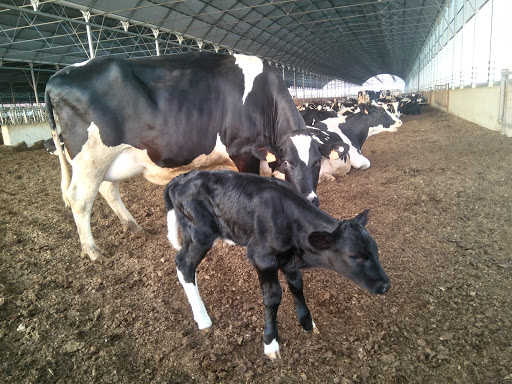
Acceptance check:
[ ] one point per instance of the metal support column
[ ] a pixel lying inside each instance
(34, 83)
(87, 16)
(156, 32)
(295, 82)
(303, 89)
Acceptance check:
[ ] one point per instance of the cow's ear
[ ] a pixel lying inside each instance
(266, 152)
(363, 107)
(321, 240)
(362, 218)
(335, 150)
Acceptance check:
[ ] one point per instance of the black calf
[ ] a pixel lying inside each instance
(281, 230)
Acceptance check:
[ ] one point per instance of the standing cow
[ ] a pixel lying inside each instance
(280, 229)
(162, 116)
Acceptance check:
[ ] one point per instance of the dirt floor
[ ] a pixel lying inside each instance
(440, 198)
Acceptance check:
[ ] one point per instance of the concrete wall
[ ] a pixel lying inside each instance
(479, 105)
(28, 133)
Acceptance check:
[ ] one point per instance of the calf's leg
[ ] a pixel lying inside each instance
(272, 294)
(187, 260)
(294, 280)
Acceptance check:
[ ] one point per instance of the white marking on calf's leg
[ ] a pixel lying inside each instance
(314, 329)
(198, 309)
(272, 349)
(172, 229)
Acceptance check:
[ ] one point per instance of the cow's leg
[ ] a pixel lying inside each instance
(64, 170)
(272, 294)
(294, 280)
(187, 260)
(81, 194)
(110, 192)
(357, 160)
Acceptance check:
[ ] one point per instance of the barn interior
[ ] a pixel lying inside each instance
(438, 191)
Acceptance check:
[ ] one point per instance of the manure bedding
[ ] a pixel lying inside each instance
(440, 198)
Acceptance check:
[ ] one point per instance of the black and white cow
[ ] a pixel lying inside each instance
(312, 116)
(354, 129)
(409, 105)
(166, 115)
(280, 229)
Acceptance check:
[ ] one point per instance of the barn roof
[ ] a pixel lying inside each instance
(351, 40)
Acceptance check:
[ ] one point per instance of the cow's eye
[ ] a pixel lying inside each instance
(354, 257)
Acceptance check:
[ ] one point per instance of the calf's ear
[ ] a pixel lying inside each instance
(320, 240)
(269, 153)
(362, 218)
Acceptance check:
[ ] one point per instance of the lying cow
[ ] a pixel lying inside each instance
(354, 130)
(166, 115)
(281, 231)
(410, 105)
(311, 116)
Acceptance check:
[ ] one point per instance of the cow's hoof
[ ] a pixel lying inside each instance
(96, 255)
(326, 177)
(314, 329)
(134, 228)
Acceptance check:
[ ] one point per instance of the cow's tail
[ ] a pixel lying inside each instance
(172, 219)
(64, 171)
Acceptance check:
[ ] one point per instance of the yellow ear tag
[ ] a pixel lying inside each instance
(334, 155)
(270, 157)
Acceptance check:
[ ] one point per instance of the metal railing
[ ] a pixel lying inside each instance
(17, 115)
(505, 114)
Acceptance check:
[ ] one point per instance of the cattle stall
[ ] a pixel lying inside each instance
(439, 212)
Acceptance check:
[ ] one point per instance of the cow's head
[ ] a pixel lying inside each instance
(352, 252)
(299, 158)
(381, 120)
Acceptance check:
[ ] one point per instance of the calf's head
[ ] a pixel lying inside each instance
(299, 158)
(352, 252)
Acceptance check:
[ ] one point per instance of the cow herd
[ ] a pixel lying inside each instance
(180, 121)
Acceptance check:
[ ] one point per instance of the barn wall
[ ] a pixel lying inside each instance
(479, 105)
(28, 133)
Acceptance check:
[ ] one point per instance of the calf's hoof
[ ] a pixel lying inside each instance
(272, 350)
(204, 322)
(314, 329)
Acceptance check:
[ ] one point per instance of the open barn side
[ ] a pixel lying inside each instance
(440, 198)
